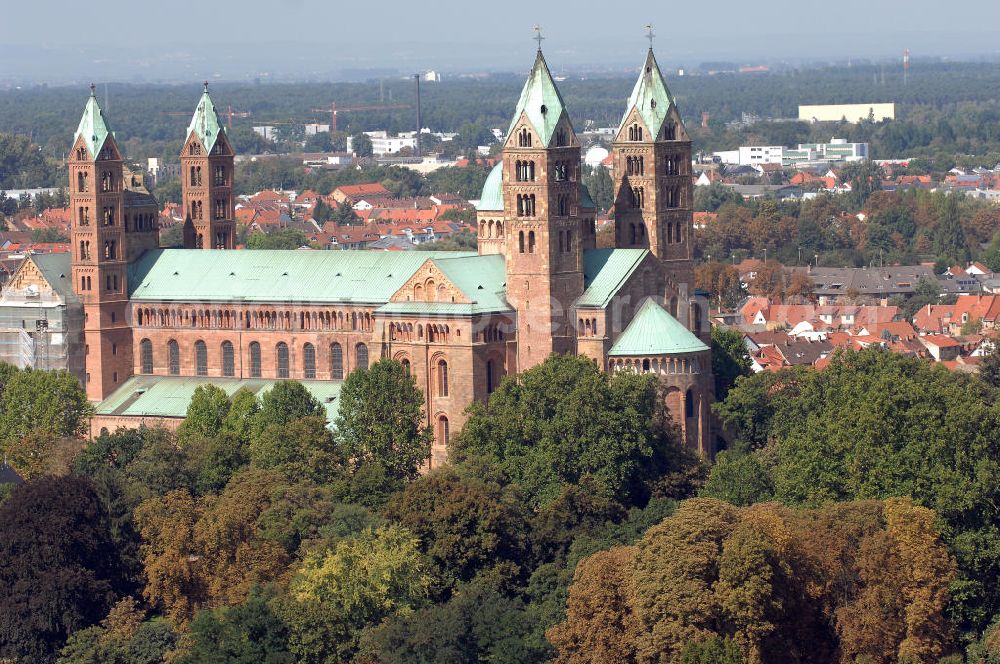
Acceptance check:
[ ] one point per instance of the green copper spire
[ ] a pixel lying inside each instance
(93, 127)
(650, 97)
(540, 100)
(205, 122)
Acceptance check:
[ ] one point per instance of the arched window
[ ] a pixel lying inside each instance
(531, 242)
(443, 432)
(406, 366)
(254, 360)
(173, 358)
(336, 361)
(146, 356)
(228, 359)
(520, 241)
(81, 181)
(689, 404)
(669, 131)
(309, 360)
(489, 376)
(361, 356)
(442, 370)
(281, 350)
(201, 358)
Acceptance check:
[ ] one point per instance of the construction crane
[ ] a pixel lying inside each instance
(333, 110)
(229, 114)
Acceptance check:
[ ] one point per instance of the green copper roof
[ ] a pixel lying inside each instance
(481, 278)
(655, 332)
(169, 396)
(357, 277)
(205, 122)
(604, 273)
(492, 196)
(541, 101)
(93, 127)
(650, 96)
(586, 201)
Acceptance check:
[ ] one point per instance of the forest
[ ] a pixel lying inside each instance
(946, 111)
(567, 526)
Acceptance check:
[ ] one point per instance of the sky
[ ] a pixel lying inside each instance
(59, 40)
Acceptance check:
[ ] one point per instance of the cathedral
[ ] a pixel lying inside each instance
(159, 322)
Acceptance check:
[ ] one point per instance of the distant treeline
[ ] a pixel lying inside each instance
(945, 110)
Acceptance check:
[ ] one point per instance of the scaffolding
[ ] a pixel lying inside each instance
(41, 331)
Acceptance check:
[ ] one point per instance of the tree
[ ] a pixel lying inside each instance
(739, 479)
(243, 409)
(243, 634)
(345, 215)
(41, 235)
(714, 196)
(730, 359)
(715, 650)
(868, 581)
(50, 401)
(380, 420)
(865, 178)
(565, 420)
(601, 187)
(170, 557)
(925, 292)
(466, 527)
(899, 406)
(674, 568)
(205, 414)
(288, 400)
(769, 280)
(361, 145)
(989, 367)
(363, 581)
(949, 238)
(301, 449)
(209, 551)
(322, 213)
(478, 624)
(61, 571)
(285, 238)
(600, 622)
(121, 638)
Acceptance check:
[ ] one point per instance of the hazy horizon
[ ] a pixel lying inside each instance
(315, 40)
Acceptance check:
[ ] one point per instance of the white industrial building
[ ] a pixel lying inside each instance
(837, 150)
(850, 112)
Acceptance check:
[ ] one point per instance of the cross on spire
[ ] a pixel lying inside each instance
(650, 35)
(93, 90)
(538, 36)
(206, 86)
